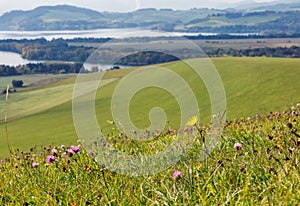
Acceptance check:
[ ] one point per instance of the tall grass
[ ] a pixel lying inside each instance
(256, 163)
(5, 117)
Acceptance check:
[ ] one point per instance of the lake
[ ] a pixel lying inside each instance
(100, 33)
(13, 59)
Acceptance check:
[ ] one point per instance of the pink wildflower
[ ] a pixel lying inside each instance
(35, 164)
(50, 158)
(76, 149)
(176, 174)
(238, 146)
(70, 152)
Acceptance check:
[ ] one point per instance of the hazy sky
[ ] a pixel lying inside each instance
(115, 5)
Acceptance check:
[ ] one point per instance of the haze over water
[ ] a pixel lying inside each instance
(100, 33)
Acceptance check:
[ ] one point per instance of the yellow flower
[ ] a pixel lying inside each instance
(198, 167)
(193, 121)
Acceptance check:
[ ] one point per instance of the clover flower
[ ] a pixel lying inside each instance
(176, 174)
(50, 158)
(70, 152)
(76, 149)
(238, 146)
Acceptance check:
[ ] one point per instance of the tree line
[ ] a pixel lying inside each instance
(41, 49)
(283, 52)
(40, 68)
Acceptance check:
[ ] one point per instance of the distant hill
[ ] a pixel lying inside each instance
(268, 6)
(64, 17)
(248, 17)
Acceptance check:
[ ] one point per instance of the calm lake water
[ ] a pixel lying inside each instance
(13, 59)
(100, 33)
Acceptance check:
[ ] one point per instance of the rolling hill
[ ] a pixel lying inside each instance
(257, 18)
(252, 85)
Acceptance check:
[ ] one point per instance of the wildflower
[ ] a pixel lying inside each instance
(50, 158)
(54, 152)
(41, 153)
(133, 131)
(238, 146)
(62, 147)
(257, 115)
(17, 158)
(35, 164)
(298, 105)
(63, 154)
(76, 149)
(189, 169)
(198, 167)
(176, 174)
(70, 152)
(193, 121)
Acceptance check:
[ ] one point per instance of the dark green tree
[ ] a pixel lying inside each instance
(17, 83)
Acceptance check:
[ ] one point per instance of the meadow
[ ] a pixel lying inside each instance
(256, 162)
(43, 114)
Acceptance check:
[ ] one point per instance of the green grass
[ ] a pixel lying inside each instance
(32, 79)
(264, 172)
(40, 99)
(251, 84)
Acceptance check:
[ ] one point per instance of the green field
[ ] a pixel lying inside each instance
(34, 80)
(42, 115)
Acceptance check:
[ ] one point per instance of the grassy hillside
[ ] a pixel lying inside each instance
(255, 164)
(252, 85)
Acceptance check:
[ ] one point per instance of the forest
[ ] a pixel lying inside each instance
(40, 68)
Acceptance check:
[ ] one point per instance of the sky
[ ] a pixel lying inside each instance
(117, 5)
